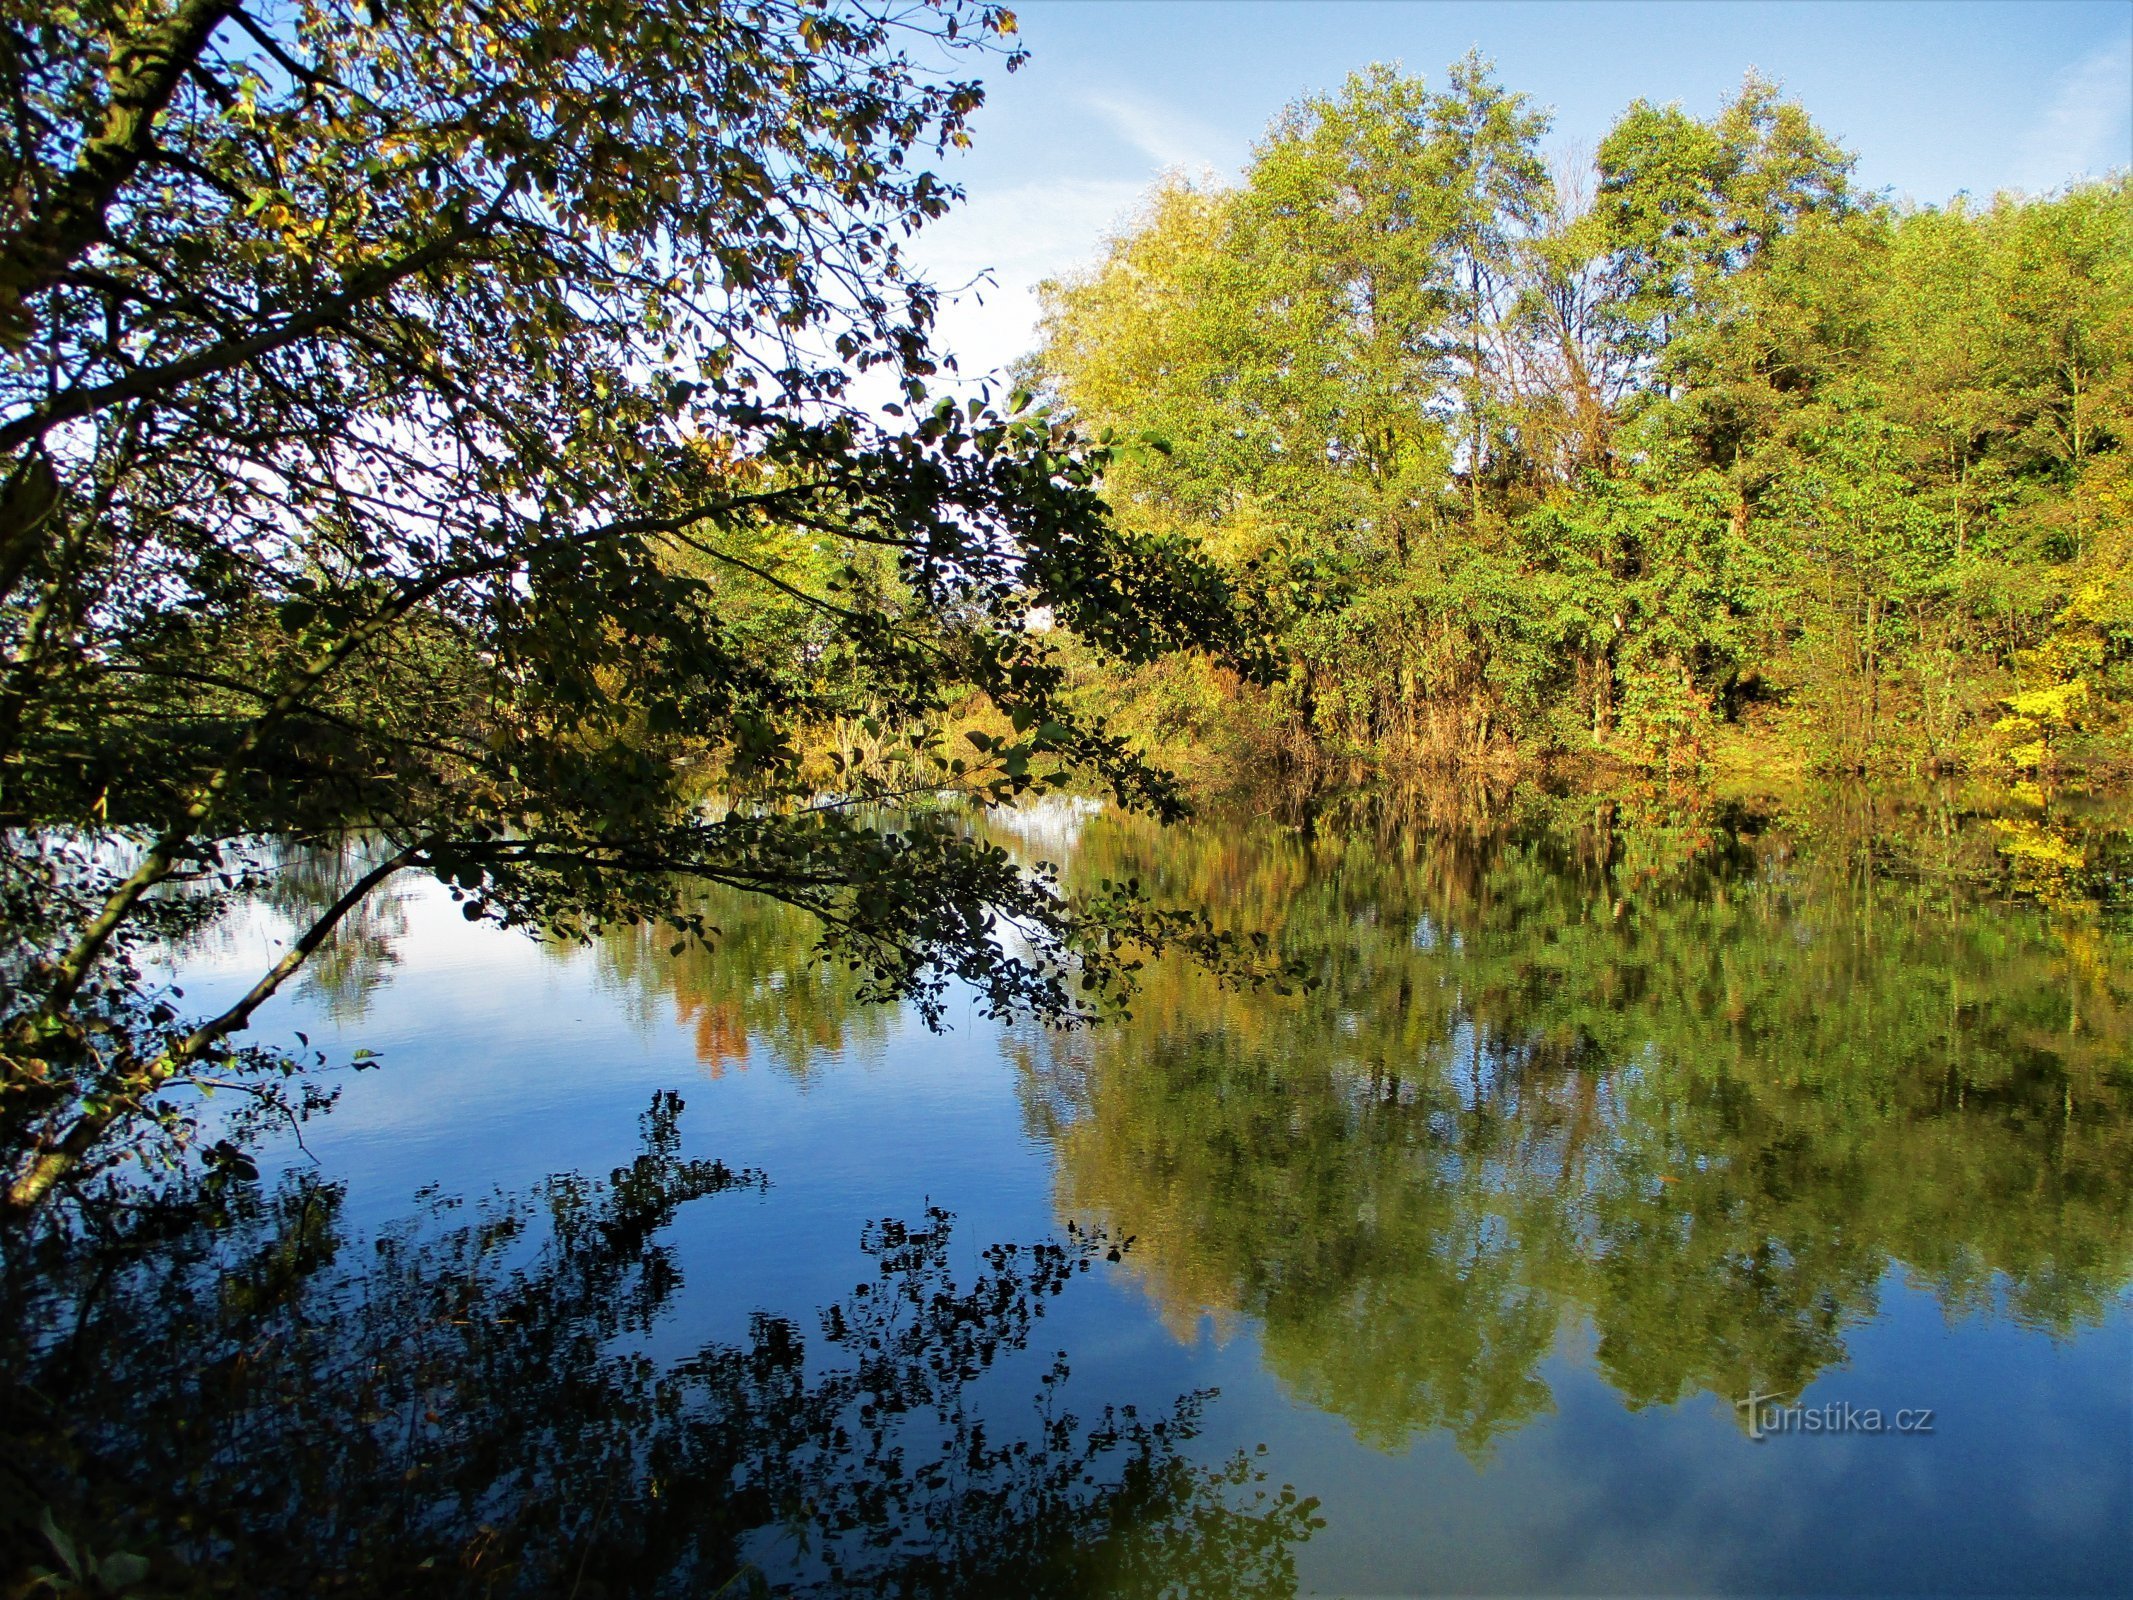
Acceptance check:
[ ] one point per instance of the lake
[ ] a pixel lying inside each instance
(1646, 1196)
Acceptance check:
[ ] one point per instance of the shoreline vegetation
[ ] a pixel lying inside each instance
(1680, 455)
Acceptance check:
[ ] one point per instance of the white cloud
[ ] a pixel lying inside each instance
(2087, 130)
(989, 253)
(1025, 233)
(1167, 138)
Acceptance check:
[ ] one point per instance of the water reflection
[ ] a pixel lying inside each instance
(274, 889)
(1696, 1082)
(229, 1392)
(1690, 1077)
(756, 993)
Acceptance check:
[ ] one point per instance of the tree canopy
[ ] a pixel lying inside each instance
(1683, 447)
(438, 420)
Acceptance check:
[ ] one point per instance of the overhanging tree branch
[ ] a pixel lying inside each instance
(67, 1152)
(145, 72)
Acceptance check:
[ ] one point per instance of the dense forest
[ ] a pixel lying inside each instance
(1678, 453)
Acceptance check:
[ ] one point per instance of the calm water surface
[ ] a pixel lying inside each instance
(1590, 1131)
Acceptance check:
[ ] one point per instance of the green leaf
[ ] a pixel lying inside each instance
(62, 1546)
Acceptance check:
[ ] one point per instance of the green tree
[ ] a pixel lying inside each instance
(1686, 205)
(1307, 356)
(436, 418)
(1691, 455)
(1485, 153)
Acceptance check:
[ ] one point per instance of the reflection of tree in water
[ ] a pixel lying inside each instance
(1696, 1085)
(759, 987)
(345, 972)
(285, 884)
(462, 1410)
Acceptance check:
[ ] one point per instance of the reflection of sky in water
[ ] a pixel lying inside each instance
(503, 1061)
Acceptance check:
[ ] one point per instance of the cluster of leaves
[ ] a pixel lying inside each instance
(466, 1407)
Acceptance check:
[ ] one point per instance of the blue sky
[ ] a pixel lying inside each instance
(1934, 98)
